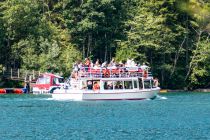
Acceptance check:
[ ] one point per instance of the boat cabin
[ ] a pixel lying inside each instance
(113, 84)
(118, 78)
(47, 82)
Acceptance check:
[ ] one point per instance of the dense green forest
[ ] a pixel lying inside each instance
(171, 36)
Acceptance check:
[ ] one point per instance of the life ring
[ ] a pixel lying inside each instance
(145, 74)
(106, 73)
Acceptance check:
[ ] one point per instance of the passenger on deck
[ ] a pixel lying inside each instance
(80, 65)
(97, 64)
(27, 87)
(112, 63)
(121, 64)
(87, 62)
(133, 64)
(128, 63)
(144, 67)
(74, 75)
(81, 73)
(75, 67)
(104, 65)
(109, 85)
(156, 82)
(91, 64)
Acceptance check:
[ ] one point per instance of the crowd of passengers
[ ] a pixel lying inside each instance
(79, 65)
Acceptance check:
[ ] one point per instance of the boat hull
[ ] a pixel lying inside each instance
(63, 94)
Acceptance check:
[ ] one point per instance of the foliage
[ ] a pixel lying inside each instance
(50, 35)
(35, 41)
(1, 69)
(198, 71)
(200, 75)
(154, 35)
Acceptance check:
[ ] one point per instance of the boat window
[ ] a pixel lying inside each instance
(108, 85)
(43, 80)
(140, 84)
(128, 85)
(61, 80)
(89, 85)
(152, 83)
(84, 85)
(118, 85)
(147, 85)
(135, 84)
(55, 81)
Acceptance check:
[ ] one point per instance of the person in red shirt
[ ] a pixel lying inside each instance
(87, 64)
(96, 86)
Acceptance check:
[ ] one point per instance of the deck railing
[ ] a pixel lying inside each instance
(109, 72)
(20, 74)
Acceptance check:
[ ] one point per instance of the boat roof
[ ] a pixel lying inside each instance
(51, 75)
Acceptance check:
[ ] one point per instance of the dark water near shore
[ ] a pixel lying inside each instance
(180, 116)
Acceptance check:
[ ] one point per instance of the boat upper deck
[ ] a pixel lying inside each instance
(111, 72)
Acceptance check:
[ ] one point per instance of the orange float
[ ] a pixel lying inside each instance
(18, 91)
(3, 91)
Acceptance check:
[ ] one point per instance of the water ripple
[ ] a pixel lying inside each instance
(172, 116)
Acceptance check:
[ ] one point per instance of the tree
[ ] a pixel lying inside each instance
(198, 72)
(95, 25)
(155, 35)
(35, 39)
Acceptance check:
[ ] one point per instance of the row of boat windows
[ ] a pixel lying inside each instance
(116, 85)
(46, 80)
(107, 85)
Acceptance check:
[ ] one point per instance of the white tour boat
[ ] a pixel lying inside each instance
(131, 83)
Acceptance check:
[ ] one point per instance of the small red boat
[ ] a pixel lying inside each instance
(46, 83)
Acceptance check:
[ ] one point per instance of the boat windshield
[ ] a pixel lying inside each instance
(58, 80)
(43, 80)
(61, 80)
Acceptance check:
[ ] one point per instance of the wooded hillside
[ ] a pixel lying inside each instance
(172, 36)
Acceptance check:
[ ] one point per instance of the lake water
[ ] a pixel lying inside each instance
(180, 116)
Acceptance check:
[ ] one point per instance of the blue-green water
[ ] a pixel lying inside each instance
(181, 116)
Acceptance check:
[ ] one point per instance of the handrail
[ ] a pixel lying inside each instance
(111, 72)
(20, 74)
